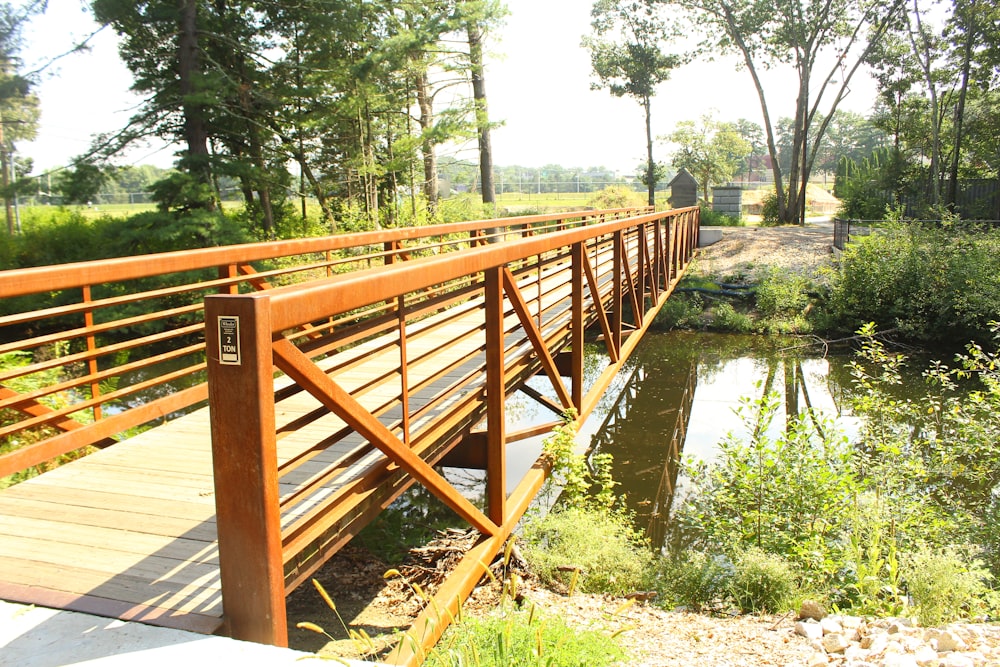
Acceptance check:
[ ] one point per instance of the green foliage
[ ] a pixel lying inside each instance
(782, 298)
(787, 494)
(584, 482)
(770, 211)
(616, 196)
(932, 283)
(944, 584)
(726, 318)
(681, 311)
(606, 552)
(712, 150)
(866, 188)
(693, 579)
(712, 218)
(519, 638)
(762, 582)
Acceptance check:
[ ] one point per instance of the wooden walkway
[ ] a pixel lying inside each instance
(130, 531)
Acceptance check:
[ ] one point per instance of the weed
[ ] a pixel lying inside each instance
(591, 550)
(944, 584)
(762, 582)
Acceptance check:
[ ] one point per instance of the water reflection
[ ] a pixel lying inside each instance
(678, 396)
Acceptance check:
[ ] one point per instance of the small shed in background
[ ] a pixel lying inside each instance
(683, 190)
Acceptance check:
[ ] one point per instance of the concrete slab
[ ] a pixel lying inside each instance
(39, 637)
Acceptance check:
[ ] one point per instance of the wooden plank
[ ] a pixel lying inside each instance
(49, 531)
(100, 517)
(152, 569)
(102, 499)
(121, 586)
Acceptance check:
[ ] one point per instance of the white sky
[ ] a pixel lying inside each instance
(537, 79)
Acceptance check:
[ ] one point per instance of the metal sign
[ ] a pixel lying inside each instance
(229, 340)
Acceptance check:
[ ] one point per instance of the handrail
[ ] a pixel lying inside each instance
(97, 332)
(20, 282)
(515, 309)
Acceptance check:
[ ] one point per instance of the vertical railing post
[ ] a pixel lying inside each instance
(496, 436)
(225, 272)
(619, 285)
(244, 458)
(92, 368)
(576, 327)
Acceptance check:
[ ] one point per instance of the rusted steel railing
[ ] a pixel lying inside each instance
(420, 353)
(95, 349)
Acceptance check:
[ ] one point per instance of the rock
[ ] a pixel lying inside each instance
(875, 643)
(812, 609)
(899, 660)
(809, 630)
(949, 641)
(851, 622)
(926, 656)
(817, 659)
(831, 626)
(957, 660)
(835, 643)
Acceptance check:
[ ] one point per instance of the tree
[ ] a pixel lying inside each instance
(824, 41)
(18, 105)
(712, 150)
(633, 66)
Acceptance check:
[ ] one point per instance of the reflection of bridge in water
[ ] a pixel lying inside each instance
(649, 460)
(650, 417)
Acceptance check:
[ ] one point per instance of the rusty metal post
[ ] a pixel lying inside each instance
(576, 326)
(92, 368)
(244, 453)
(618, 283)
(496, 436)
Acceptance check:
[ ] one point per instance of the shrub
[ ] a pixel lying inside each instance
(769, 210)
(617, 196)
(762, 582)
(694, 579)
(943, 584)
(610, 556)
(522, 639)
(787, 494)
(932, 283)
(712, 218)
(726, 318)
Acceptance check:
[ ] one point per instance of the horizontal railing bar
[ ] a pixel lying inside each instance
(294, 305)
(21, 282)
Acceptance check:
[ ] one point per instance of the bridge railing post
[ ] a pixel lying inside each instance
(244, 457)
(496, 436)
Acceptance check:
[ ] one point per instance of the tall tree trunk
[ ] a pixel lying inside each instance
(951, 198)
(196, 159)
(922, 52)
(650, 168)
(426, 105)
(475, 36)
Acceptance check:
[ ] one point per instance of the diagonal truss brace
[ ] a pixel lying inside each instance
(307, 375)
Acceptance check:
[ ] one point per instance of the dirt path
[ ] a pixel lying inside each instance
(744, 250)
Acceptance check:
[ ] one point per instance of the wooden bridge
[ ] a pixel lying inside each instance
(338, 371)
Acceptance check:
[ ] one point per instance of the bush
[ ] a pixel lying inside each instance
(694, 579)
(943, 584)
(712, 218)
(762, 582)
(617, 196)
(932, 283)
(769, 210)
(611, 557)
(726, 318)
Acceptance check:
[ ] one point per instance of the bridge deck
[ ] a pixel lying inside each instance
(130, 531)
